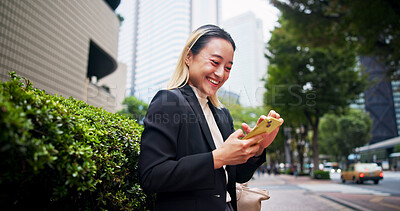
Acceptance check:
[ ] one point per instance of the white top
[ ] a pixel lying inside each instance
(212, 125)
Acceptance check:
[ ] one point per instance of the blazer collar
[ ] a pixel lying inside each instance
(194, 103)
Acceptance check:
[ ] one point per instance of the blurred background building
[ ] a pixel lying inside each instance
(152, 36)
(382, 101)
(249, 63)
(63, 47)
(127, 41)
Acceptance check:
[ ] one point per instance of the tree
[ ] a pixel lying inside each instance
(340, 135)
(328, 139)
(300, 143)
(250, 115)
(396, 148)
(307, 82)
(373, 26)
(135, 109)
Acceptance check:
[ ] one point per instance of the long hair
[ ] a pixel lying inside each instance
(195, 43)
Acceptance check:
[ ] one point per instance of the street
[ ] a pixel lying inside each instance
(390, 183)
(303, 193)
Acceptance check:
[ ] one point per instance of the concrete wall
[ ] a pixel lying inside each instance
(47, 41)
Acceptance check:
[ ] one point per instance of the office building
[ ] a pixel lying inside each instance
(156, 32)
(63, 47)
(249, 63)
(127, 41)
(163, 27)
(396, 102)
(382, 101)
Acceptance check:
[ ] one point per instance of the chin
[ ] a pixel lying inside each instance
(211, 92)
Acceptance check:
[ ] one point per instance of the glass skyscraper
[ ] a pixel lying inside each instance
(381, 101)
(249, 63)
(396, 102)
(163, 27)
(127, 41)
(153, 36)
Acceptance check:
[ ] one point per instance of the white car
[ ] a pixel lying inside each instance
(332, 168)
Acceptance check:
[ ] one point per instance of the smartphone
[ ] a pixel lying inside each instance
(266, 126)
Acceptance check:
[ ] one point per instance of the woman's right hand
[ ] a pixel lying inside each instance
(235, 151)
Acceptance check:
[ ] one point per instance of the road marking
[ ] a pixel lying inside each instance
(390, 205)
(376, 199)
(345, 203)
(334, 204)
(340, 188)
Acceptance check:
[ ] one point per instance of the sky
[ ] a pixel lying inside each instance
(261, 8)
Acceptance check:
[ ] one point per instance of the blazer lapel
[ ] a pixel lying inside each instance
(194, 103)
(222, 121)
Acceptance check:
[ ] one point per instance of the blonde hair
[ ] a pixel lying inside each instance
(180, 77)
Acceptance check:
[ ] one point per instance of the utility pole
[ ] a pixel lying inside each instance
(287, 132)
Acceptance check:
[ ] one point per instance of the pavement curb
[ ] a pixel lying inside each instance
(345, 203)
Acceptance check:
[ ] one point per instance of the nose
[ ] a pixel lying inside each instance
(220, 71)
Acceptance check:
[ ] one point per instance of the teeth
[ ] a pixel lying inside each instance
(212, 81)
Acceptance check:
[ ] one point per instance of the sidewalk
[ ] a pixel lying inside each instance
(288, 193)
(282, 179)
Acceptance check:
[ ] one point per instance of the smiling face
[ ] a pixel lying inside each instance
(209, 69)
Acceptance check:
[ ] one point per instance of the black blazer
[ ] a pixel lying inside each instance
(176, 160)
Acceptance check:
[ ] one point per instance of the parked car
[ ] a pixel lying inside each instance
(332, 167)
(360, 172)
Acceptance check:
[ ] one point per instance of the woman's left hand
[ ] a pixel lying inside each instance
(267, 138)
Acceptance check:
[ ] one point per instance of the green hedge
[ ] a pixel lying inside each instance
(319, 174)
(58, 153)
(303, 174)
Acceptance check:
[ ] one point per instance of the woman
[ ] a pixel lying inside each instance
(191, 156)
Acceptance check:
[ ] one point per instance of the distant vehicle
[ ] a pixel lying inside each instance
(332, 167)
(360, 172)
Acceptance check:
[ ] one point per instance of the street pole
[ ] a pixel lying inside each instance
(286, 131)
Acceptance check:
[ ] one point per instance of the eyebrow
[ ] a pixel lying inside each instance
(216, 55)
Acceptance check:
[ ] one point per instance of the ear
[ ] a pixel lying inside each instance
(188, 58)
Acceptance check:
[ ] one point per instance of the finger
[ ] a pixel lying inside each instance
(238, 133)
(246, 128)
(274, 114)
(280, 119)
(262, 117)
(254, 140)
(271, 112)
(253, 149)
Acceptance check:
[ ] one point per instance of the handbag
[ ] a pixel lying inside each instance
(249, 199)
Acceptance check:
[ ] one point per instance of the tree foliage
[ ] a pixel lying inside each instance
(305, 82)
(373, 26)
(134, 108)
(341, 134)
(396, 148)
(250, 115)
